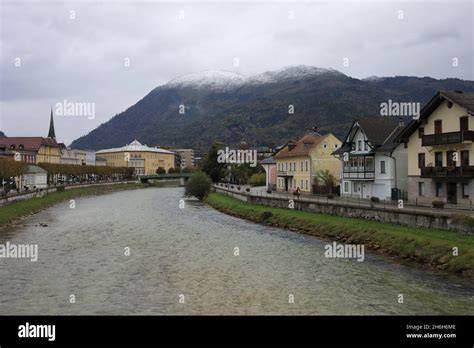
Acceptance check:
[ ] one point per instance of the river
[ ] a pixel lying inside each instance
(182, 261)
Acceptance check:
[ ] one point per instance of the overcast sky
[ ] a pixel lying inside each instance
(77, 51)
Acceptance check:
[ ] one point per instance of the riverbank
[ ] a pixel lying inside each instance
(16, 210)
(429, 247)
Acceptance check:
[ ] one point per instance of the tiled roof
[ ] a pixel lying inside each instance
(29, 143)
(465, 99)
(377, 128)
(381, 131)
(301, 147)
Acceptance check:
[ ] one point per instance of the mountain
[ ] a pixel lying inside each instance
(232, 108)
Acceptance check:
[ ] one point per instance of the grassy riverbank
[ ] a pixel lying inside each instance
(429, 247)
(11, 212)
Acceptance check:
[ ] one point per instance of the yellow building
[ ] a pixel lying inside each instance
(32, 150)
(441, 150)
(146, 160)
(298, 162)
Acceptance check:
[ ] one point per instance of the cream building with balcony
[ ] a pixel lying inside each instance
(441, 150)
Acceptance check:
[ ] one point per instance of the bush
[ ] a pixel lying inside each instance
(266, 215)
(269, 191)
(375, 199)
(463, 219)
(238, 188)
(438, 204)
(232, 186)
(198, 185)
(60, 188)
(247, 189)
(258, 179)
(330, 195)
(173, 170)
(161, 170)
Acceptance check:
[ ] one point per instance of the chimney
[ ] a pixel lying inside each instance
(401, 122)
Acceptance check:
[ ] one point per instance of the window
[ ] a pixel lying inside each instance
(306, 164)
(421, 160)
(366, 147)
(301, 183)
(438, 159)
(301, 165)
(382, 167)
(465, 158)
(335, 146)
(359, 145)
(306, 184)
(421, 188)
(438, 124)
(421, 132)
(439, 188)
(449, 159)
(286, 165)
(325, 146)
(465, 190)
(346, 186)
(463, 123)
(369, 164)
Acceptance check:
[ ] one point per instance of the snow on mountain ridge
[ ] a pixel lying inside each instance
(209, 79)
(216, 79)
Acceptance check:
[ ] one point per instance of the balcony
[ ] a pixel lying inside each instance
(447, 138)
(358, 174)
(447, 172)
(284, 173)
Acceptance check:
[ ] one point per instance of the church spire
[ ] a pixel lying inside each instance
(51, 133)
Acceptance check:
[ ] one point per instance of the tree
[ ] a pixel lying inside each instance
(258, 179)
(10, 168)
(161, 170)
(173, 170)
(211, 166)
(326, 178)
(198, 185)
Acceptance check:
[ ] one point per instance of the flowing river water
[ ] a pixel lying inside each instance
(188, 254)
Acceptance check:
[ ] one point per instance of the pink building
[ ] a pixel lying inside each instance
(269, 164)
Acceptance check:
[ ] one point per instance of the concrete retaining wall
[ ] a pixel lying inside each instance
(389, 215)
(31, 194)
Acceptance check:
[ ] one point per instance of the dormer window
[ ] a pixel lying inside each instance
(359, 145)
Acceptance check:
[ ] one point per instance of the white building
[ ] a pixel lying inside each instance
(34, 178)
(372, 163)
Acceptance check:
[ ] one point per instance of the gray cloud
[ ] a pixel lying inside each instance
(82, 59)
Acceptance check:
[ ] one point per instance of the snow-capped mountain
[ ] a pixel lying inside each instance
(230, 108)
(225, 80)
(298, 72)
(212, 79)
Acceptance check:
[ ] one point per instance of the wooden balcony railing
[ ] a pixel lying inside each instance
(447, 172)
(447, 138)
(358, 174)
